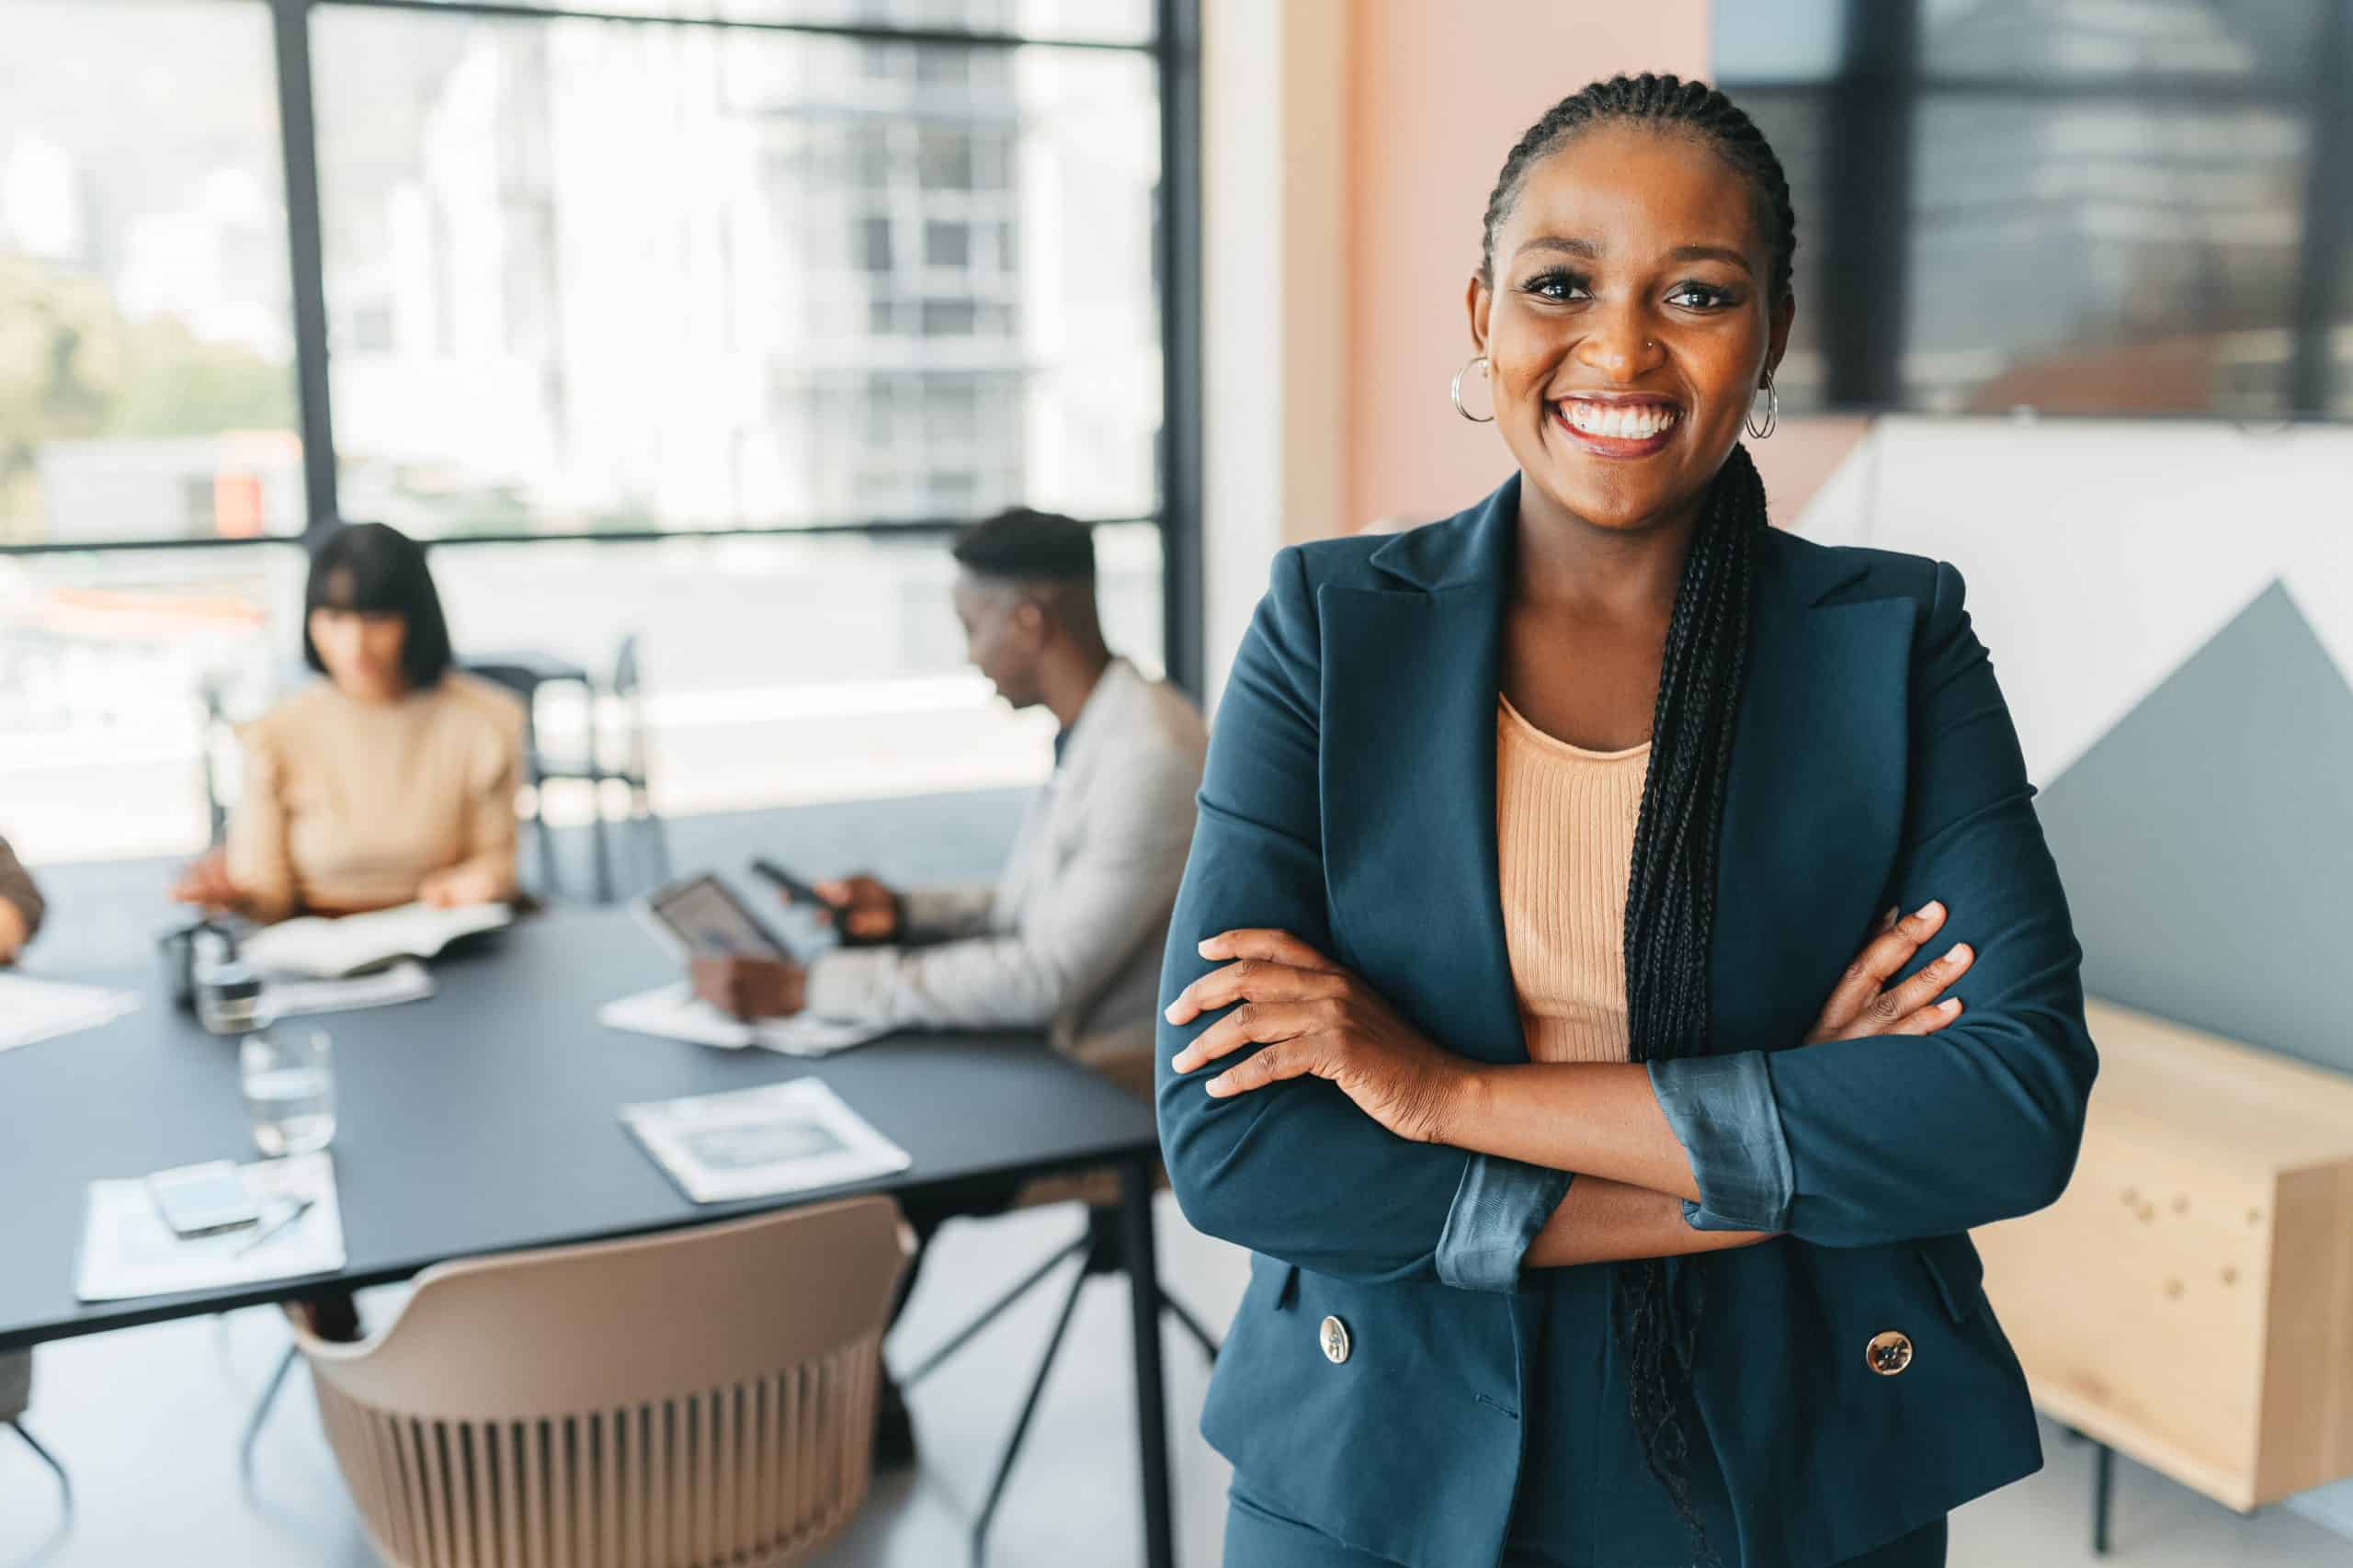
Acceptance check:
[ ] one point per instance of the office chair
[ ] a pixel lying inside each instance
(526, 675)
(592, 766)
(697, 1397)
(1100, 1250)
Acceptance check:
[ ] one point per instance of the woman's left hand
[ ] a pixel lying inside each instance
(458, 886)
(1313, 1018)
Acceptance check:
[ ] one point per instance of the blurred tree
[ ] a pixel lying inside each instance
(73, 368)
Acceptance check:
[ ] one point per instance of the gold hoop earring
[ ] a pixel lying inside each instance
(1772, 414)
(1480, 360)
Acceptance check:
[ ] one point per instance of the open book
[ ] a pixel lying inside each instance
(326, 949)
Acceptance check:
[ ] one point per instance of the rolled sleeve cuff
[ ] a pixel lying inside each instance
(1498, 1206)
(1722, 1112)
(852, 982)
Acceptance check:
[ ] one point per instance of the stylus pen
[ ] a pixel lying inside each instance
(299, 1210)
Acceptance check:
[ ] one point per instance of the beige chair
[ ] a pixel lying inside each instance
(705, 1396)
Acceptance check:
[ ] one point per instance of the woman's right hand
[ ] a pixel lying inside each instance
(1864, 1003)
(866, 910)
(206, 881)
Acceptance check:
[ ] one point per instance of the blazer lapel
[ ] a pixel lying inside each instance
(1814, 804)
(1409, 777)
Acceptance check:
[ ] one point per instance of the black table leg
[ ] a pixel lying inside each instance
(2103, 1495)
(1151, 1415)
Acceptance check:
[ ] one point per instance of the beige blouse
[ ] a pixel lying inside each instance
(1565, 841)
(348, 805)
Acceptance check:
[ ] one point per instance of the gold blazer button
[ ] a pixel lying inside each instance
(1335, 1338)
(1888, 1353)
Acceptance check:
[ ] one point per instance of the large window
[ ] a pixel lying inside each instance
(549, 284)
(146, 344)
(2070, 206)
(588, 275)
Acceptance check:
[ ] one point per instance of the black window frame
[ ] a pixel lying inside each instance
(1175, 50)
(1871, 98)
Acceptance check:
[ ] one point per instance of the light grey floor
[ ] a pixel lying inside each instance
(148, 1420)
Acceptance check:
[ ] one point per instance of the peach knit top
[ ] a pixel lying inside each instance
(1564, 843)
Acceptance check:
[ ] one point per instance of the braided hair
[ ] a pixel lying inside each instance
(1671, 892)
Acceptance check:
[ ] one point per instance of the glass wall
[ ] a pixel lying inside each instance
(740, 270)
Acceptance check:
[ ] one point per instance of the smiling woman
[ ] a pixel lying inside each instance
(1535, 1008)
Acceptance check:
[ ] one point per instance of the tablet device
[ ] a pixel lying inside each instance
(700, 916)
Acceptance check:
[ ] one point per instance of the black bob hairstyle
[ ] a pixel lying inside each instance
(373, 569)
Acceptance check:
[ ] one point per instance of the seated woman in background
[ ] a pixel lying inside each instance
(21, 904)
(390, 781)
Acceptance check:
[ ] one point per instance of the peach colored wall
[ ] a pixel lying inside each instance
(1443, 88)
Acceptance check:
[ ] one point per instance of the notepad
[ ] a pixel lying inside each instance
(674, 1012)
(407, 981)
(322, 947)
(779, 1138)
(128, 1251)
(42, 1009)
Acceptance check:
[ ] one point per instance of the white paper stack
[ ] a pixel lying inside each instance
(674, 1012)
(42, 1009)
(792, 1137)
(127, 1250)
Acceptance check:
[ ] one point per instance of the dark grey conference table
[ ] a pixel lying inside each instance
(482, 1120)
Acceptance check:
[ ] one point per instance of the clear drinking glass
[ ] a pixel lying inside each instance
(289, 1080)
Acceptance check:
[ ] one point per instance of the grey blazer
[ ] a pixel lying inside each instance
(1070, 937)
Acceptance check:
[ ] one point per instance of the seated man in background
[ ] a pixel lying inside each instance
(21, 904)
(393, 780)
(1069, 939)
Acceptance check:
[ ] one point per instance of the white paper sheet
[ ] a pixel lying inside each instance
(407, 981)
(792, 1137)
(42, 1009)
(674, 1012)
(127, 1250)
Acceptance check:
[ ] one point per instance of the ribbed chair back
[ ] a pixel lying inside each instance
(702, 1397)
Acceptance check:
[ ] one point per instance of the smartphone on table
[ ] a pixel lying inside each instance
(203, 1200)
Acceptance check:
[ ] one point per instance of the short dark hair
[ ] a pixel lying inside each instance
(1023, 543)
(374, 569)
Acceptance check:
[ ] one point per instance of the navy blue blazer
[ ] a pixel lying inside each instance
(1349, 799)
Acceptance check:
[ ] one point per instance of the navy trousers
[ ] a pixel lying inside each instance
(1257, 1538)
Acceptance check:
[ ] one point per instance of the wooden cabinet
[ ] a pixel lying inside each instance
(2189, 1301)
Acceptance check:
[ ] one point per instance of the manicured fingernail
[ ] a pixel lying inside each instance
(1204, 946)
(1957, 952)
(1218, 1086)
(1949, 1005)
(1928, 909)
(1170, 1012)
